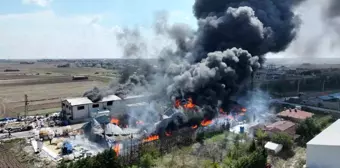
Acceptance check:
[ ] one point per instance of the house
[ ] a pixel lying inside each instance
(281, 126)
(74, 109)
(324, 149)
(295, 115)
(81, 108)
(109, 101)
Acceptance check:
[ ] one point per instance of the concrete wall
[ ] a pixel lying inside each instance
(319, 156)
(79, 114)
(93, 109)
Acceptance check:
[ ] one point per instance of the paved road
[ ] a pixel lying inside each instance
(27, 134)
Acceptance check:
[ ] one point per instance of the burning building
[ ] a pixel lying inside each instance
(208, 66)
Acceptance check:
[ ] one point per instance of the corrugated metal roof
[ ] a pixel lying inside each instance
(330, 96)
(326, 97)
(135, 96)
(137, 104)
(330, 136)
(78, 101)
(110, 98)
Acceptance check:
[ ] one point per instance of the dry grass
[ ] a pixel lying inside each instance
(45, 84)
(292, 162)
(43, 96)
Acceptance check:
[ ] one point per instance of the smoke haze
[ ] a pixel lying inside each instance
(211, 63)
(319, 33)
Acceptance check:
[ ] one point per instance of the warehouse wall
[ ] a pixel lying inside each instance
(80, 114)
(321, 156)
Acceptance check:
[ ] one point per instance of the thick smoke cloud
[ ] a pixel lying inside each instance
(211, 63)
(132, 84)
(215, 78)
(229, 45)
(256, 26)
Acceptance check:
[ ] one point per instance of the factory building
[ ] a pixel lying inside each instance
(75, 109)
(324, 149)
(82, 109)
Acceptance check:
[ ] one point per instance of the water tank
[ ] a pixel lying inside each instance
(241, 129)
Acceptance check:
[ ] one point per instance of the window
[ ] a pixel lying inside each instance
(80, 107)
(95, 105)
(109, 103)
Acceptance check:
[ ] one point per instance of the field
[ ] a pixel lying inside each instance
(45, 85)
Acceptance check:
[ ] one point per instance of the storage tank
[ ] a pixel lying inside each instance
(241, 129)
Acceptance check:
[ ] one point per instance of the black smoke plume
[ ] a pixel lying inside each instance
(229, 45)
(211, 63)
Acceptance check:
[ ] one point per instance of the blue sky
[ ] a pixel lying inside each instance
(78, 28)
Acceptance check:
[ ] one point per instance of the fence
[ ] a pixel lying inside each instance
(132, 153)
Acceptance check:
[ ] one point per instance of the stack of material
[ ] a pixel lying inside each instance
(56, 141)
(112, 129)
(96, 127)
(46, 133)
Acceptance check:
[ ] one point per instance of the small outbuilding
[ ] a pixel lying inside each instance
(273, 147)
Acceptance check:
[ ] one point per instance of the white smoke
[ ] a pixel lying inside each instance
(82, 144)
(258, 107)
(319, 33)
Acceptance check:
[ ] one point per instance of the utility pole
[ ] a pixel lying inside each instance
(298, 86)
(26, 105)
(323, 85)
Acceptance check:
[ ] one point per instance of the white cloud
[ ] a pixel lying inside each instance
(47, 35)
(42, 3)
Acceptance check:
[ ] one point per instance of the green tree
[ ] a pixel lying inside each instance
(62, 164)
(261, 137)
(252, 146)
(283, 139)
(310, 127)
(147, 161)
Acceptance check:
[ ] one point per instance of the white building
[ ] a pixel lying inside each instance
(81, 108)
(76, 108)
(323, 151)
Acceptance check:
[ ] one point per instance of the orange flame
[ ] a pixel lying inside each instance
(206, 122)
(151, 138)
(116, 149)
(189, 104)
(114, 121)
(243, 109)
(194, 127)
(177, 103)
(167, 133)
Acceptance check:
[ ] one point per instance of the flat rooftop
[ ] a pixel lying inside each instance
(110, 98)
(78, 101)
(137, 104)
(328, 137)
